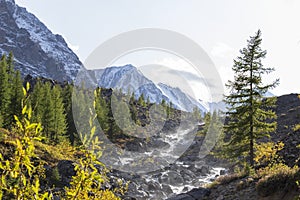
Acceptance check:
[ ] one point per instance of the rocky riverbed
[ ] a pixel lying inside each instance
(183, 175)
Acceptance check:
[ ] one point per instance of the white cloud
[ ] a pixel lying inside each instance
(222, 50)
(182, 74)
(176, 64)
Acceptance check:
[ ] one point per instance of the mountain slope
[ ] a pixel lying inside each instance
(129, 78)
(179, 98)
(37, 50)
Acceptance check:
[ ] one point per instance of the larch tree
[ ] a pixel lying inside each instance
(250, 114)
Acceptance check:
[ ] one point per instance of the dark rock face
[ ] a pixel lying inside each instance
(288, 115)
(37, 50)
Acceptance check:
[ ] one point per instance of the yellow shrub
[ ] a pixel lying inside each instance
(267, 152)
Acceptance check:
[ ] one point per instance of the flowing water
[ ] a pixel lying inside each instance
(181, 175)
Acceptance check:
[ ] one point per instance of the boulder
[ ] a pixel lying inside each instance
(171, 178)
(194, 194)
(66, 171)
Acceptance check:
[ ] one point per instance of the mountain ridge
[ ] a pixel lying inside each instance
(130, 79)
(37, 50)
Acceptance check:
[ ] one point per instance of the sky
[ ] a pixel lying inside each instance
(221, 28)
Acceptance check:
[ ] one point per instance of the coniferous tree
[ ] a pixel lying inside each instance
(16, 96)
(196, 113)
(132, 98)
(141, 100)
(71, 128)
(207, 121)
(5, 92)
(163, 103)
(148, 101)
(121, 114)
(48, 112)
(10, 91)
(59, 121)
(102, 110)
(10, 63)
(249, 113)
(37, 101)
(1, 120)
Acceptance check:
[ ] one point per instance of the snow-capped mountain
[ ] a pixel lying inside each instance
(37, 50)
(129, 78)
(182, 100)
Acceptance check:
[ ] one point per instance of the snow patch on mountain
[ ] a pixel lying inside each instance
(53, 45)
(130, 79)
(180, 99)
(37, 50)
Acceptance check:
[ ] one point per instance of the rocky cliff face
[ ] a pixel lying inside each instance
(37, 50)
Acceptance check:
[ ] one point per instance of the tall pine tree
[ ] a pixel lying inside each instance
(250, 115)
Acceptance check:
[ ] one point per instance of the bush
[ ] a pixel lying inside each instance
(279, 177)
(20, 176)
(88, 181)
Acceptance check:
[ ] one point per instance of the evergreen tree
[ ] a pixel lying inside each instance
(132, 98)
(163, 103)
(48, 112)
(5, 92)
(37, 101)
(71, 128)
(121, 114)
(148, 101)
(141, 100)
(11, 92)
(102, 110)
(79, 109)
(196, 114)
(59, 120)
(10, 63)
(134, 113)
(16, 96)
(250, 115)
(207, 121)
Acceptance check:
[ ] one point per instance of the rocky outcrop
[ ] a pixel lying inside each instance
(37, 50)
(288, 115)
